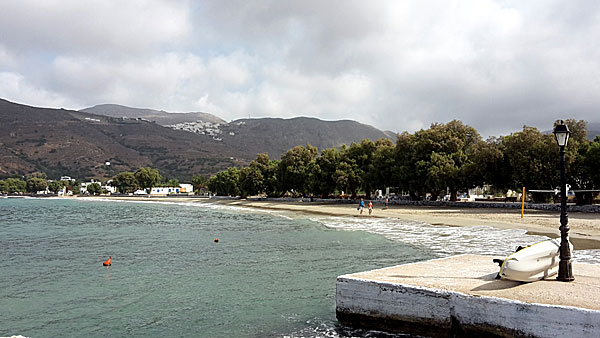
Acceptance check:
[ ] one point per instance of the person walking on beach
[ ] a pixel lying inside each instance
(361, 205)
(386, 202)
(370, 207)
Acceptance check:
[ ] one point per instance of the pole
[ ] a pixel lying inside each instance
(565, 273)
(523, 203)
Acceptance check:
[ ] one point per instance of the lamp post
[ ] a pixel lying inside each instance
(565, 273)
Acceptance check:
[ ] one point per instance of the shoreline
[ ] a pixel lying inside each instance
(584, 233)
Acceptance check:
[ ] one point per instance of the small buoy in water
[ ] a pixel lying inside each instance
(216, 240)
(107, 262)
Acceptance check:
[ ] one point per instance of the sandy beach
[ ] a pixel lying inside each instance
(584, 233)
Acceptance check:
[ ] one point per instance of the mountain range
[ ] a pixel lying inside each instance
(84, 145)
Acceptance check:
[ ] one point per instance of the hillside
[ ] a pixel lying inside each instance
(77, 143)
(159, 116)
(275, 135)
(62, 142)
(593, 130)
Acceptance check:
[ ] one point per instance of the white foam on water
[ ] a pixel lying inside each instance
(449, 240)
(586, 256)
(439, 239)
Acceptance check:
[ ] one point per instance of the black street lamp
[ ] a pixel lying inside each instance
(565, 273)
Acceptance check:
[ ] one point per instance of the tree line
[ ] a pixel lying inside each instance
(449, 157)
(125, 182)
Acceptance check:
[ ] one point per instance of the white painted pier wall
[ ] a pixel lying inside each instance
(378, 303)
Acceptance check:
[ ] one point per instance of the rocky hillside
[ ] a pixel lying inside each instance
(79, 144)
(62, 142)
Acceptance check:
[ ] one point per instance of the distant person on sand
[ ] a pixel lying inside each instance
(370, 207)
(386, 202)
(361, 205)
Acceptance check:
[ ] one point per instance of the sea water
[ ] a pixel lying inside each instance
(270, 275)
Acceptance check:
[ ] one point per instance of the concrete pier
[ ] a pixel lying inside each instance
(459, 296)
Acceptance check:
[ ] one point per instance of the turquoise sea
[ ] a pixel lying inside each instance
(269, 276)
(272, 274)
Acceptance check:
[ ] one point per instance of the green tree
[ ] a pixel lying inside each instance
(293, 168)
(532, 160)
(3, 187)
(147, 178)
(173, 183)
(199, 183)
(361, 156)
(584, 173)
(440, 155)
(407, 175)
(575, 154)
(225, 183)
(125, 182)
(35, 184)
(55, 186)
(251, 181)
(489, 165)
(384, 163)
(435, 159)
(348, 175)
(15, 185)
(322, 178)
(592, 162)
(94, 189)
(268, 170)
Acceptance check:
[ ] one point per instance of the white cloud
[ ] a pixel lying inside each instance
(496, 65)
(93, 27)
(16, 87)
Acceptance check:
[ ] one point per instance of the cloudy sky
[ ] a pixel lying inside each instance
(397, 65)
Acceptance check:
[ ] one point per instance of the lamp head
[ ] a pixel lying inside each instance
(561, 133)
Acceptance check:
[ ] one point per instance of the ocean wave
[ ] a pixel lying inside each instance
(449, 240)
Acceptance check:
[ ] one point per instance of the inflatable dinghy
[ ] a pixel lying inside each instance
(533, 263)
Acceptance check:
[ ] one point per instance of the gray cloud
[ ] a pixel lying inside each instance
(496, 65)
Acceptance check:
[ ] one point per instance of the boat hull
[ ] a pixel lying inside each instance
(533, 263)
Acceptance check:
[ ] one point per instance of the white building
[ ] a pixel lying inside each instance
(184, 188)
(164, 190)
(110, 188)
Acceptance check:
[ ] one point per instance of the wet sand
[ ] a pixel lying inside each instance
(584, 233)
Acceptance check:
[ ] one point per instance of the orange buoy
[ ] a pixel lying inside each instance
(216, 240)
(107, 262)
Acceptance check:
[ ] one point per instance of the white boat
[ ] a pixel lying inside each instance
(533, 263)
